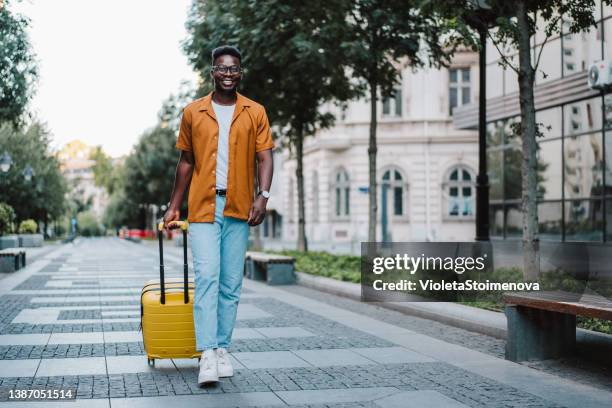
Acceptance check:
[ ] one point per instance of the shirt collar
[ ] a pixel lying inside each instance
(206, 102)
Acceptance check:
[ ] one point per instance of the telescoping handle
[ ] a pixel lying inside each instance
(184, 225)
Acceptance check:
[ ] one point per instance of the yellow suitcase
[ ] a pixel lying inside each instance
(166, 311)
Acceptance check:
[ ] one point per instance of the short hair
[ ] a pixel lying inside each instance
(226, 50)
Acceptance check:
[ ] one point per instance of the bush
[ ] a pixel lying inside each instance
(28, 227)
(88, 225)
(7, 218)
(340, 267)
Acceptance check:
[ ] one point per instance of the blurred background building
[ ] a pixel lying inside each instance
(426, 168)
(77, 167)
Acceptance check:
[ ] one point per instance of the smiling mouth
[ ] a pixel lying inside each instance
(227, 82)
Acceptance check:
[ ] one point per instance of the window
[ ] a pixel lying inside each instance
(392, 106)
(392, 188)
(341, 193)
(460, 192)
(459, 87)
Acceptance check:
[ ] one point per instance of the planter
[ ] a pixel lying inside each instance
(30, 240)
(9, 241)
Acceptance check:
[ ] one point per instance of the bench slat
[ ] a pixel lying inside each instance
(564, 302)
(263, 257)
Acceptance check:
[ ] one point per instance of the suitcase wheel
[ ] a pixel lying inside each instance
(151, 362)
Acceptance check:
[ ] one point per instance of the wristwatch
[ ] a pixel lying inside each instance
(264, 193)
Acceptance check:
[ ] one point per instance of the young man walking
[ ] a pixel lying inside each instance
(220, 138)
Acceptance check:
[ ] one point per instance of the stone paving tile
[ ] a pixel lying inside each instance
(450, 381)
(76, 366)
(323, 358)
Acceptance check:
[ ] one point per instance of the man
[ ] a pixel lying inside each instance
(220, 137)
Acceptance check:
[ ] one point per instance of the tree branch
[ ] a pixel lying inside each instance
(502, 55)
(537, 62)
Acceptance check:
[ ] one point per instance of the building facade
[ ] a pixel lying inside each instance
(426, 168)
(575, 150)
(77, 167)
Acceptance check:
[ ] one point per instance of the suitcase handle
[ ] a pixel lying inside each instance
(184, 225)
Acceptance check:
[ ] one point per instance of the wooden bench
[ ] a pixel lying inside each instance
(12, 259)
(272, 269)
(542, 325)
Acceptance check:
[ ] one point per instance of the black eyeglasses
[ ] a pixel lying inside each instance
(222, 69)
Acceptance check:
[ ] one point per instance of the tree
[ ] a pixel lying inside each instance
(102, 168)
(148, 174)
(43, 197)
(293, 60)
(516, 23)
(18, 69)
(384, 35)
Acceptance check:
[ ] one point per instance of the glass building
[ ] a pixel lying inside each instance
(574, 170)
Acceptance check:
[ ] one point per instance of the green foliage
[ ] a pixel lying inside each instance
(590, 323)
(88, 225)
(150, 169)
(7, 218)
(102, 168)
(146, 177)
(382, 34)
(28, 227)
(290, 51)
(43, 197)
(18, 68)
(121, 211)
(340, 267)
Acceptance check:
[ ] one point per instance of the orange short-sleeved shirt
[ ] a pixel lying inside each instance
(199, 132)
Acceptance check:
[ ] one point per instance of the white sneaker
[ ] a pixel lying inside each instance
(208, 368)
(224, 364)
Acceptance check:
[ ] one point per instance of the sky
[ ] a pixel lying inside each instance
(105, 66)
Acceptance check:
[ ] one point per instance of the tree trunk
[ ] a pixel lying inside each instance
(302, 244)
(526, 77)
(372, 149)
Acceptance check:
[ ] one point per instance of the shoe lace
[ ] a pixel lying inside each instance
(222, 357)
(207, 363)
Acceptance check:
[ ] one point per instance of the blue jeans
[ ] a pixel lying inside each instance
(218, 250)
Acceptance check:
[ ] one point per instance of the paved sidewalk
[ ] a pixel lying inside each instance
(71, 319)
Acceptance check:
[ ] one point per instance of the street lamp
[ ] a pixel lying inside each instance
(481, 17)
(28, 172)
(5, 162)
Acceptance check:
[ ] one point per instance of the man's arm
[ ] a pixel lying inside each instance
(182, 178)
(265, 169)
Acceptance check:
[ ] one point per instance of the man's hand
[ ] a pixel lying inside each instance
(172, 214)
(257, 211)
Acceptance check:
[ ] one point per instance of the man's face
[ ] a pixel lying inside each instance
(226, 81)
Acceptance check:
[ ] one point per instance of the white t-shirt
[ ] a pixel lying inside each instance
(224, 116)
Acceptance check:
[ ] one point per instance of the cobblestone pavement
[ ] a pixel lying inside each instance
(71, 320)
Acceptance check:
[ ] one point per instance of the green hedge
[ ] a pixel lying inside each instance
(7, 218)
(340, 267)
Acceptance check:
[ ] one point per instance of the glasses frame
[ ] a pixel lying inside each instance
(224, 69)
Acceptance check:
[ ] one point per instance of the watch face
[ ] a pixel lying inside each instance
(265, 194)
